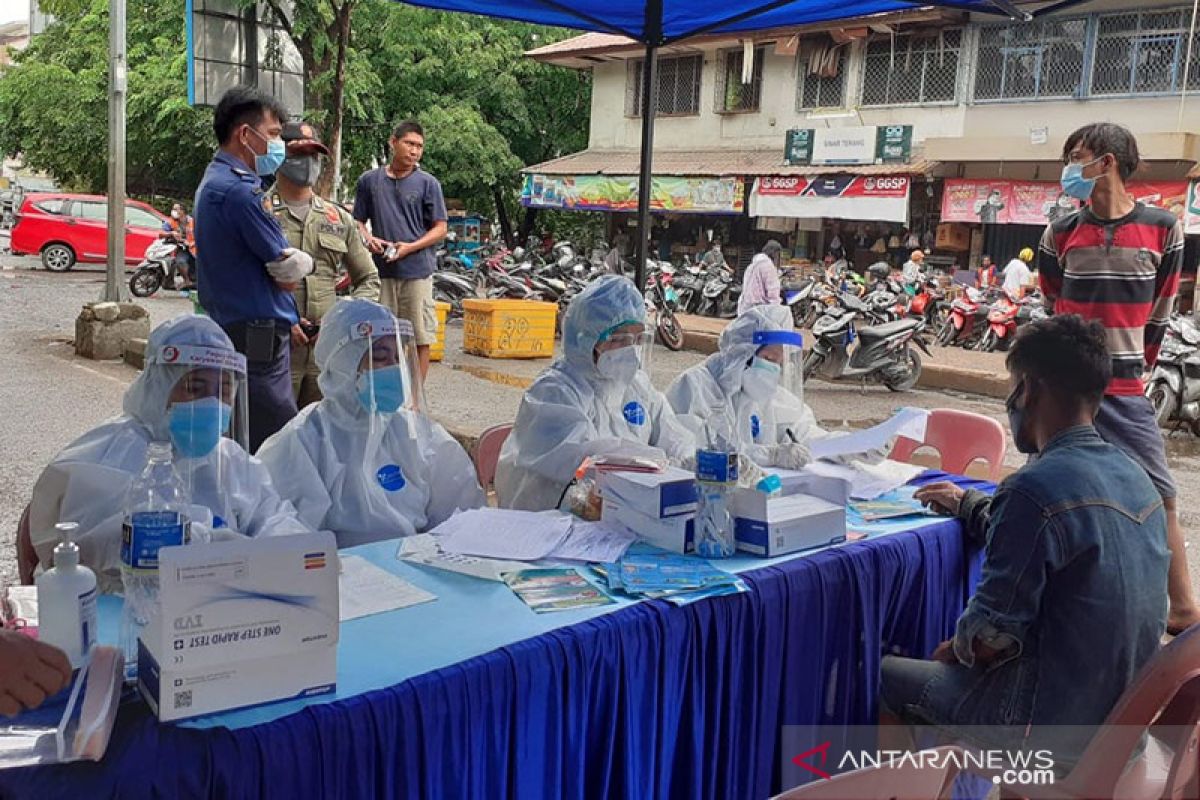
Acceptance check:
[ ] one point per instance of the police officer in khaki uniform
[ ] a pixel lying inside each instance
(327, 233)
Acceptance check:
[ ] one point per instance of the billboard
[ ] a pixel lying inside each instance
(1009, 202)
(620, 193)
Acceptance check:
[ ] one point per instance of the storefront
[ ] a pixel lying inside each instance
(1000, 217)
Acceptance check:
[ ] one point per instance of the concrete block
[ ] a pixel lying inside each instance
(101, 341)
(133, 311)
(135, 353)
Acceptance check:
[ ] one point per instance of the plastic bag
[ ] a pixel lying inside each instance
(74, 725)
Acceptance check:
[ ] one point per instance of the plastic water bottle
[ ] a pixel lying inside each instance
(155, 516)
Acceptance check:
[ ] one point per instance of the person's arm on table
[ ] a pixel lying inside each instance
(972, 507)
(30, 671)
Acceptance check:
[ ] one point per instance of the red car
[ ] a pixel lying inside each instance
(66, 228)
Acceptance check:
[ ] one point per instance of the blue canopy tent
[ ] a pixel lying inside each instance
(657, 23)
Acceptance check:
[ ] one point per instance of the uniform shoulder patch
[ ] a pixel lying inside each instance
(331, 214)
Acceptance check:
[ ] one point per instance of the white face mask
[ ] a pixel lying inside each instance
(760, 380)
(619, 365)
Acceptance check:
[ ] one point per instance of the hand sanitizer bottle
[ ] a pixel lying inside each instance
(67, 600)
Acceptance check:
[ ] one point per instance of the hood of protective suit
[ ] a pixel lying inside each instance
(608, 301)
(338, 355)
(146, 398)
(737, 347)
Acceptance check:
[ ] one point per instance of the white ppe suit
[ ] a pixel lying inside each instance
(573, 411)
(715, 386)
(366, 475)
(87, 482)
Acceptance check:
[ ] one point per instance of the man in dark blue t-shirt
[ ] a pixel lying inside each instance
(407, 213)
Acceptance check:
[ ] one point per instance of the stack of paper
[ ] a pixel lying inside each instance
(530, 536)
(423, 549)
(647, 571)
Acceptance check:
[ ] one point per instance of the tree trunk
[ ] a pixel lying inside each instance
(329, 184)
(506, 230)
(527, 225)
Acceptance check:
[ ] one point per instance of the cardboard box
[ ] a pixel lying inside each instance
(812, 514)
(952, 236)
(655, 494)
(241, 623)
(677, 534)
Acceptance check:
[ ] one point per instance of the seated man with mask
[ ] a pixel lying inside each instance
(753, 384)
(366, 462)
(596, 399)
(187, 395)
(1074, 574)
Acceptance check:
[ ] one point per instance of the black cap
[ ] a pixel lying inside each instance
(302, 138)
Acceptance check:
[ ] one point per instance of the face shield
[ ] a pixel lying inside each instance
(624, 350)
(205, 405)
(386, 378)
(779, 353)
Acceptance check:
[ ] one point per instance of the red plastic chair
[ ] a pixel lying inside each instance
(960, 438)
(487, 453)
(1164, 699)
(903, 781)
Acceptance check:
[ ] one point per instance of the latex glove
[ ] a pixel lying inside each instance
(790, 455)
(294, 265)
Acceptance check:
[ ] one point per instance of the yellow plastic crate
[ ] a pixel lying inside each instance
(439, 347)
(509, 328)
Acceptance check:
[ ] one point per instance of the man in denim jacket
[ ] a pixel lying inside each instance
(1073, 596)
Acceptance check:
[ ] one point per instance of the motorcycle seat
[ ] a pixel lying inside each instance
(877, 332)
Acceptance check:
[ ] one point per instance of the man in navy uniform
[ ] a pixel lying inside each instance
(247, 269)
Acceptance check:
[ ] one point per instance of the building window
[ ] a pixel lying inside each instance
(678, 86)
(821, 81)
(1041, 59)
(1144, 53)
(733, 96)
(912, 69)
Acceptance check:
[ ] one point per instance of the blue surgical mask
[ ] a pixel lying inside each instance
(269, 162)
(198, 425)
(381, 390)
(1073, 182)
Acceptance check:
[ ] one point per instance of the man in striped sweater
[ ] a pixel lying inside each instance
(1118, 261)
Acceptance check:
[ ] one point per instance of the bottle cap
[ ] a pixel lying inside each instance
(66, 552)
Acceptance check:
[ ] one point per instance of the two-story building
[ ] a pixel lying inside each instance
(931, 127)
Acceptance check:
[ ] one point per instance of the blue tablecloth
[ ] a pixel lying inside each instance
(476, 696)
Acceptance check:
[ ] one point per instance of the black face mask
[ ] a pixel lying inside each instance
(301, 170)
(1016, 420)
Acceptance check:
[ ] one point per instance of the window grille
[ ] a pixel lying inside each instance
(1040, 59)
(819, 91)
(1144, 53)
(678, 86)
(912, 69)
(732, 94)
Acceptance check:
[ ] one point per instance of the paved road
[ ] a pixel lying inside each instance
(49, 396)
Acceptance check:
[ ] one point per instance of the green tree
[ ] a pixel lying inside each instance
(487, 110)
(54, 106)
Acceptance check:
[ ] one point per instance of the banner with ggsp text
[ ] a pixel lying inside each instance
(852, 197)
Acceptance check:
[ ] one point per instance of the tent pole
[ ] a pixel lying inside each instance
(646, 172)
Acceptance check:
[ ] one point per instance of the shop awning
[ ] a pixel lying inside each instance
(966, 149)
(712, 164)
(840, 196)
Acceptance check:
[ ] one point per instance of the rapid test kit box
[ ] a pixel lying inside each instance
(810, 512)
(242, 622)
(658, 495)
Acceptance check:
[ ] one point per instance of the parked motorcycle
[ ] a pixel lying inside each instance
(1174, 386)
(661, 298)
(968, 315)
(720, 294)
(884, 353)
(151, 274)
